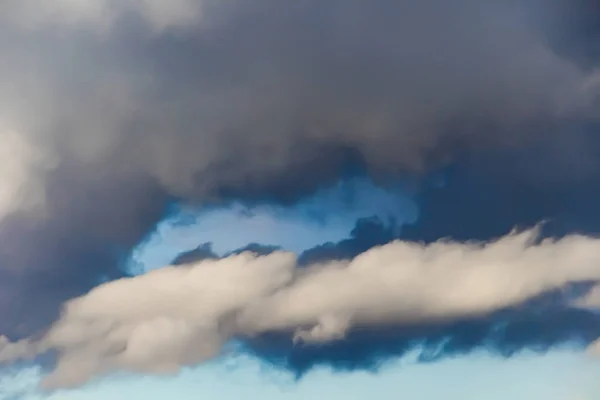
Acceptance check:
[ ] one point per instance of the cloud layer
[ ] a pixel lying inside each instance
(183, 315)
(112, 110)
(125, 106)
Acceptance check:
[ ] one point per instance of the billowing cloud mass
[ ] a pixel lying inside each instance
(99, 16)
(182, 315)
(110, 111)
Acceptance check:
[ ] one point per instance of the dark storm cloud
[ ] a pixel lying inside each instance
(573, 30)
(264, 101)
(487, 195)
(78, 244)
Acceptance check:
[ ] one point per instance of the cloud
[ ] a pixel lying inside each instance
(205, 252)
(367, 233)
(99, 16)
(200, 253)
(184, 315)
(21, 162)
(139, 104)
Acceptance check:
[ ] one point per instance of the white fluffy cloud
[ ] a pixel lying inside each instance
(178, 316)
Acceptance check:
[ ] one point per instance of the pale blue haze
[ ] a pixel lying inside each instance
(558, 376)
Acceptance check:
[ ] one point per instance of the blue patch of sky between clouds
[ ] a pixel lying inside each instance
(329, 215)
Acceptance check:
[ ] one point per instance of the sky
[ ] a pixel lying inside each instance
(328, 216)
(558, 375)
(307, 199)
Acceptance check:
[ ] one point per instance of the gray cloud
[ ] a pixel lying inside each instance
(124, 107)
